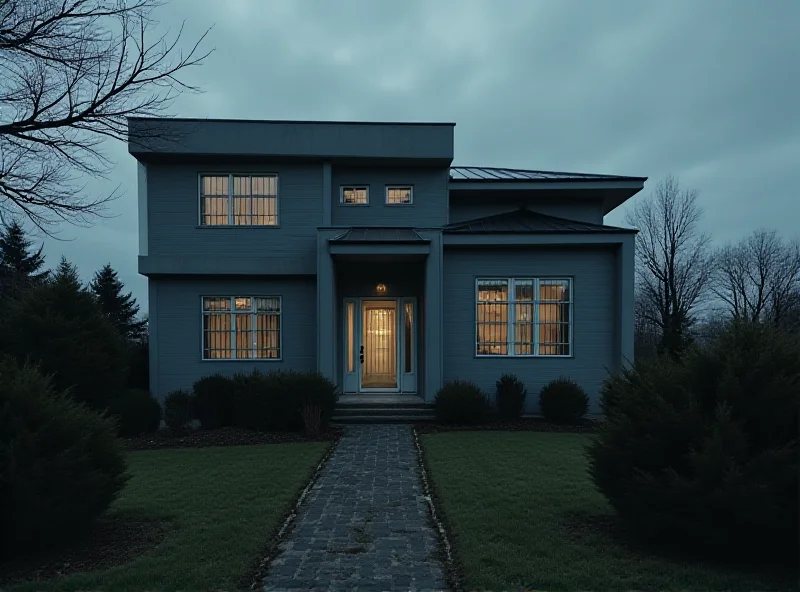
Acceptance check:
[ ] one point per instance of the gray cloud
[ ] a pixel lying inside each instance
(706, 90)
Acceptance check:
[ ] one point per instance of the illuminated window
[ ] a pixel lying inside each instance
(241, 327)
(523, 317)
(238, 200)
(355, 195)
(399, 194)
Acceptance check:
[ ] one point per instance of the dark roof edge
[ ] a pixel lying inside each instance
(291, 121)
(457, 227)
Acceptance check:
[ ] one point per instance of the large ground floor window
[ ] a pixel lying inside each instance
(241, 327)
(523, 317)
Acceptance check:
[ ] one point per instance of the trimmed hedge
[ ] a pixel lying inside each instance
(61, 464)
(178, 410)
(563, 401)
(702, 452)
(511, 394)
(137, 412)
(213, 401)
(461, 403)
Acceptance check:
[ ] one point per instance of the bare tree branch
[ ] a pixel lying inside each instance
(758, 278)
(672, 260)
(71, 73)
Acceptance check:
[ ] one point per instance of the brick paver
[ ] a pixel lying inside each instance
(365, 524)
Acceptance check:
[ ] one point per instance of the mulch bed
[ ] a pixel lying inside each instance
(526, 424)
(112, 541)
(221, 437)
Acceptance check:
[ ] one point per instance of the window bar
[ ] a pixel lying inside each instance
(536, 299)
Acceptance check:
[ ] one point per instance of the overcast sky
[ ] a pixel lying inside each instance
(705, 90)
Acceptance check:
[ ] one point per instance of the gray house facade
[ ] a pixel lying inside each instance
(360, 251)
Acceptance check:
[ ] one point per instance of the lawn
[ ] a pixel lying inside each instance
(516, 504)
(223, 504)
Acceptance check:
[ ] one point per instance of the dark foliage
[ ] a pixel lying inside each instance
(275, 401)
(461, 403)
(563, 401)
(120, 308)
(702, 452)
(16, 255)
(511, 393)
(61, 464)
(137, 412)
(213, 401)
(139, 364)
(57, 325)
(179, 411)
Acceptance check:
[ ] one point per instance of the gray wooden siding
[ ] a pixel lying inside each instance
(430, 196)
(593, 273)
(591, 212)
(175, 306)
(173, 213)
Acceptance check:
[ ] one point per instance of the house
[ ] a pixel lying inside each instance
(359, 250)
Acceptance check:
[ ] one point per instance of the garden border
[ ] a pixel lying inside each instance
(453, 570)
(256, 580)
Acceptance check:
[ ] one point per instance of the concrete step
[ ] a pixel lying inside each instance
(350, 410)
(362, 419)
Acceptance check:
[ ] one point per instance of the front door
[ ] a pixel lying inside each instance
(378, 350)
(380, 346)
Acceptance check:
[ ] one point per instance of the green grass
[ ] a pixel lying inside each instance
(223, 504)
(510, 500)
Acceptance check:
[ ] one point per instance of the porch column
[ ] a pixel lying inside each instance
(432, 339)
(625, 297)
(326, 307)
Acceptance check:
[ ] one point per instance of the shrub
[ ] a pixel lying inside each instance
(312, 418)
(178, 411)
(460, 403)
(274, 401)
(214, 401)
(137, 412)
(703, 451)
(61, 464)
(511, 393)
(82, 350)
(563, 401)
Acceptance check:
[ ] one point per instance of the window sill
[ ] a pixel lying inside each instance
(354, 205)
(237, 226)
(537, 356)
(251, 360)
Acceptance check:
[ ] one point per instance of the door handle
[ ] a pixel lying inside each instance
(361, 350)
(361, 358)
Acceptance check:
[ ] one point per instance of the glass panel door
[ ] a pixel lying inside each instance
(379, 345)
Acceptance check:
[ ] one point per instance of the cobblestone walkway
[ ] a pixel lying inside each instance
(364, 524)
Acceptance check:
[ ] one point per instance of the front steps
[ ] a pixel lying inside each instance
(355, 409)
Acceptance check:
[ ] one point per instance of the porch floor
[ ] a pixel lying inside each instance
(380, 399)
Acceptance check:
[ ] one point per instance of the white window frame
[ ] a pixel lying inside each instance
(410, 190)
(510, 316)
(231, 214)
(233, 313)
(354, 187)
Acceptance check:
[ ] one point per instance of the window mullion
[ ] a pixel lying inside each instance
(535, 316)
(511, 318)
(230, 200)
(253, 332)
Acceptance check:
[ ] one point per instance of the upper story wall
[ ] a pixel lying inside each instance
(428, 207)
(173, 215)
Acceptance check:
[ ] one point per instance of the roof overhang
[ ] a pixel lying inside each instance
(156, 139)
(507, 240)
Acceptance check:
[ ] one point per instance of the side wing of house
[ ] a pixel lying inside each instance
(533, 283)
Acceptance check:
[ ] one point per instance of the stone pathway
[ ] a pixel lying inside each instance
(364, 524)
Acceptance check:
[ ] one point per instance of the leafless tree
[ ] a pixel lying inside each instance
(71, 72)
(758, 278)
(672, 257)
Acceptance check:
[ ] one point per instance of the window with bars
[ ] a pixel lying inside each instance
(355, 195)
(523, 317)
(241, 327)
(239, 200)
(399, 194)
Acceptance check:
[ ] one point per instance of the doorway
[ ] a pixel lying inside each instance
(380, 345)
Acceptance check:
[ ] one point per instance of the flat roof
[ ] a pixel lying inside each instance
(292, 121)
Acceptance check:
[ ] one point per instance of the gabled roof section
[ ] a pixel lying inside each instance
(374, 234)
(524, 221)
(484, 174)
